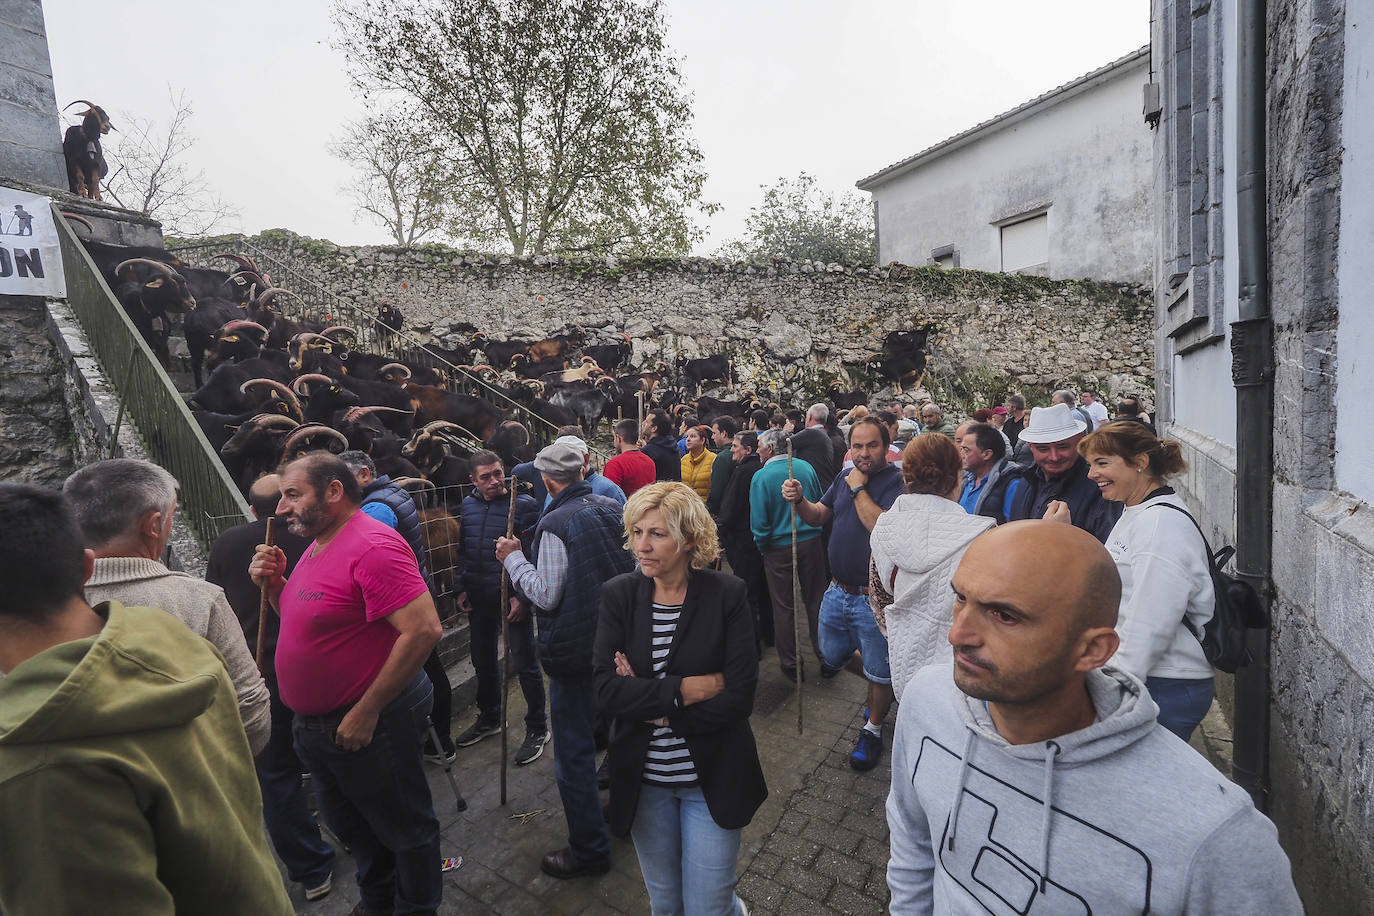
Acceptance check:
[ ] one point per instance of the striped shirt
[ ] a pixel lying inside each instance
(669, 762)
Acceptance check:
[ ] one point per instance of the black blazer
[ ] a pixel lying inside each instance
(714, 633)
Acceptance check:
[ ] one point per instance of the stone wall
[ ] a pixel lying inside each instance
(30, 138)
(789, 327)
(1323, 648)
(37, 443)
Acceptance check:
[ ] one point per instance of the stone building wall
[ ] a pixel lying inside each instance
(30, 138)
(37, 442)
(789, 327)
(1323, 648)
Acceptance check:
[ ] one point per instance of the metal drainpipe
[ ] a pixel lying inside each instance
(1252, 371)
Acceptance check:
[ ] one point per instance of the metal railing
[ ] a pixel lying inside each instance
(210, 501)
(315, 303)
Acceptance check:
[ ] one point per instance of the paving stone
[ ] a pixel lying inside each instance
(846, 869)
(845, 899)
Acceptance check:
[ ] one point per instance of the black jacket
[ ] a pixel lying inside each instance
(813, 446)
(1027, 493)
(714, 634)
(734, 505)
(667, 462)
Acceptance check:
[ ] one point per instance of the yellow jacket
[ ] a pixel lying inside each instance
(696, 472)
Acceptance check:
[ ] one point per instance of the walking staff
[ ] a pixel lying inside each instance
(505, 637)
(796, 591)
(263, 604)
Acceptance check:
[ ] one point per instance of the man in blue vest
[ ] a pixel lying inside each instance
(384, 500)
(578, 545)
(483, 519)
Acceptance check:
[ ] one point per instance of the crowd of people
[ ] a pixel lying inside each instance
(1024, 589)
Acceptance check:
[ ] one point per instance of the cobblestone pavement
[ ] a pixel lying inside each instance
(818, 845)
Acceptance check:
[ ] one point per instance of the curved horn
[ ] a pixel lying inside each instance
(405, 369)
(273, 419)
(287, 394)
(78, 218)
(352, 414)
(419, 483)
(272, 292)
(328, 331)
(80, 102)
(240, 260)
(430, 428)
(157, 265)
(242, 325)
(309, 377)
(310, 431)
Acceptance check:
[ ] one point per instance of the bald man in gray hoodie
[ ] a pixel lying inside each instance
(1033, 777)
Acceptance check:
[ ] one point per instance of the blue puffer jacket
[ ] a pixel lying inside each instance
(592, 529)
(482, 522)
(385, 491)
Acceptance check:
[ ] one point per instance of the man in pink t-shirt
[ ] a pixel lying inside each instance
(357, 623)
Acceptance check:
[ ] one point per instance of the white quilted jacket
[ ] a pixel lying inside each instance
(923, 538)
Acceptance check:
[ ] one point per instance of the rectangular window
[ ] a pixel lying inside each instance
(1026, 245)
(945, 257)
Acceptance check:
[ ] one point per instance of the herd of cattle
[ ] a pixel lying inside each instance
(267, 386)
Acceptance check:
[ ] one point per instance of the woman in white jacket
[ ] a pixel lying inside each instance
(1166, 586)
(916, 546)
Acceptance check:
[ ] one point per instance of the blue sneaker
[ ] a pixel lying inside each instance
(868, 750)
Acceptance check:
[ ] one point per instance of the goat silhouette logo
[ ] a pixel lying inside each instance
(996, 854)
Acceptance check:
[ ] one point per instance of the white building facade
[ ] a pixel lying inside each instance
(1059, 186)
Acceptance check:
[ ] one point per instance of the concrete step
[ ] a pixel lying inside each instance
(453, 652)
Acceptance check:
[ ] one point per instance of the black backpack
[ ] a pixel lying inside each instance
(1238, 609)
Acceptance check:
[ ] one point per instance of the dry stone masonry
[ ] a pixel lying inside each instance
(790, 327)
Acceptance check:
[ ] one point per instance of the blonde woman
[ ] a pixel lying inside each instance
(676, 671)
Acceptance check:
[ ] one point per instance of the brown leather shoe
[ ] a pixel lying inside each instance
(561, 864)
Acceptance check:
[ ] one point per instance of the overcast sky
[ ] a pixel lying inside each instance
(836, 89)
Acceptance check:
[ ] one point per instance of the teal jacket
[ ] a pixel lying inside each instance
(770, 516)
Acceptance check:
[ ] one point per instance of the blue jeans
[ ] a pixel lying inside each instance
(847, 623)
(484, 629)
(688, 862)
(572, 710)
(377, 800)
(1182, 702)
(308, 858)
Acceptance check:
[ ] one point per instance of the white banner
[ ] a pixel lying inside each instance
(30, 257)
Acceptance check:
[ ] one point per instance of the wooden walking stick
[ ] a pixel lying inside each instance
(262, 609)
(505, 639)
(797, 609)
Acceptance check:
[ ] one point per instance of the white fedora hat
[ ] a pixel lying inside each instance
(1052, 424)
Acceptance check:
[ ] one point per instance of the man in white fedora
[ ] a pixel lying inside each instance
(1058, 474)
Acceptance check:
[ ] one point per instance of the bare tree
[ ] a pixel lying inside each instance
(567, 124)
(149, 173)
(402, 181)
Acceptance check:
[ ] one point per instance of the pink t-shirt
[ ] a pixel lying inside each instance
(334, 635)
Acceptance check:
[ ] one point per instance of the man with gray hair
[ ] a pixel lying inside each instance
(125, 508)
(1067, 397)
(770, 521)
(578, 545)
(813, 445)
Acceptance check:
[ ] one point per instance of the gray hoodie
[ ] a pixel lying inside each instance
(1119, 817)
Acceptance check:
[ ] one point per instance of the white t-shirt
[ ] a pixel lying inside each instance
(1097, 412)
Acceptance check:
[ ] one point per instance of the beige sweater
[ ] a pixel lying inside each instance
(139, 582)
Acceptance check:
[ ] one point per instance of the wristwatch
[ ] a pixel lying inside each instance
(854, 491)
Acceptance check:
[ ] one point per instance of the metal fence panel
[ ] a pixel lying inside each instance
(210, 501)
